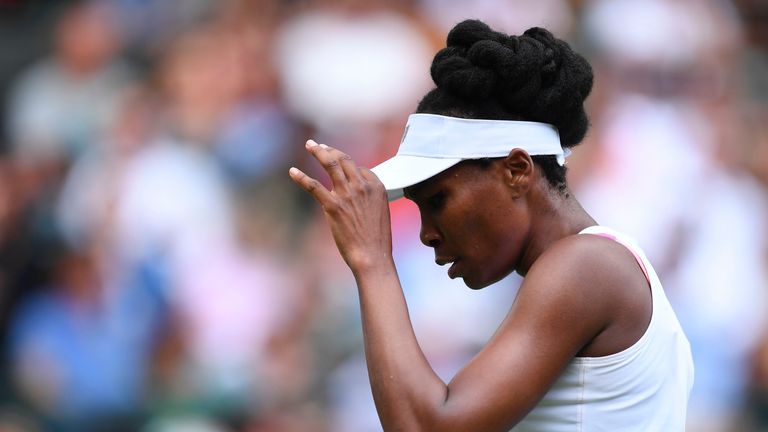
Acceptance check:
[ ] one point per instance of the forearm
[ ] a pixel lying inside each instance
(406, 390)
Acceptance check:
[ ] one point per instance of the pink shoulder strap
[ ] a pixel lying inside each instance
(637, 257)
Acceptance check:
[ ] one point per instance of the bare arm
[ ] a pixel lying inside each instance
(551, 320)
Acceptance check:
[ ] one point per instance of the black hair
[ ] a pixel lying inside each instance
(485, 74)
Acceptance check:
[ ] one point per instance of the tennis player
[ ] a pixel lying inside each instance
(591, 342)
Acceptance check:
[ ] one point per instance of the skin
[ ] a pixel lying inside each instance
(582, 295)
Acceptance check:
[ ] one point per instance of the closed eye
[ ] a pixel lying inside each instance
(436, 201)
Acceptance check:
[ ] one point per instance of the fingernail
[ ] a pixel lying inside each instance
(311, 143)
(293, 171)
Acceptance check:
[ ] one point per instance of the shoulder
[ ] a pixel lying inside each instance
(584, 258)
(574, 284)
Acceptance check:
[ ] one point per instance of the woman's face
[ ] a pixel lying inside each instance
(473, 219)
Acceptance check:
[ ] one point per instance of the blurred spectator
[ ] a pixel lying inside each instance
(81, 350)
(66, 100)
(366, 63)
(56, 110)
(637, 32)
(147, 25)
(86, 204)
(258, 137)
(229, 298)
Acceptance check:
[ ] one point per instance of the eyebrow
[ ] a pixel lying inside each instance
(409, 192)
(421, 192)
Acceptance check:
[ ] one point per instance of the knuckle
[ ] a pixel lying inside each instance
(331, 207)
(358, 187)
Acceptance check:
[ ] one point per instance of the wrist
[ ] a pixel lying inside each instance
(372, 266)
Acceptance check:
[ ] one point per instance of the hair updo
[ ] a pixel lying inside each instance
(485, 74)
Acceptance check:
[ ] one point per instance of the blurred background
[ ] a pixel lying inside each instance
(159, 272)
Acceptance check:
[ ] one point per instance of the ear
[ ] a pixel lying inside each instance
(518, 170)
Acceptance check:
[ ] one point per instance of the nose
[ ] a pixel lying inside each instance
(429, 233)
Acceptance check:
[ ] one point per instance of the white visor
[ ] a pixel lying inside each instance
(433, 143)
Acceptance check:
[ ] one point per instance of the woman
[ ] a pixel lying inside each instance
(591, 342)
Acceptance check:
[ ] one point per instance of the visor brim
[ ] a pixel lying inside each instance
(402, 171)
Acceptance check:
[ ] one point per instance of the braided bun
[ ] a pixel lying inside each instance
(482, 73)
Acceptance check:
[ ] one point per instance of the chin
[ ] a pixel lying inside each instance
(475, 284)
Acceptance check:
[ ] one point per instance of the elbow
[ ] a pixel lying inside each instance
(408, 415)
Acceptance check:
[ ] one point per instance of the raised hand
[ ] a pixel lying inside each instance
(356, 208)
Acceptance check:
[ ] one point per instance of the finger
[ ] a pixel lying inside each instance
(312, 186)
(331, 165)
(345, 161)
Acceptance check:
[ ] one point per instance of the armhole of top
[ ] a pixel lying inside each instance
(639, 260)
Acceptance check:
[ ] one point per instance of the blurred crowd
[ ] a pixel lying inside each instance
(159, 272)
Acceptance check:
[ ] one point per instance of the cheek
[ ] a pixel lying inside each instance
(495, 241)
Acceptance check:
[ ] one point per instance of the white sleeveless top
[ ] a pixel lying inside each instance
(642, 388)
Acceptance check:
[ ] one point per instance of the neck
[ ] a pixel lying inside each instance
(556, 216)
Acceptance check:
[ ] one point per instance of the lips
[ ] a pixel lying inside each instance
(452, 271)
(441, 261)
